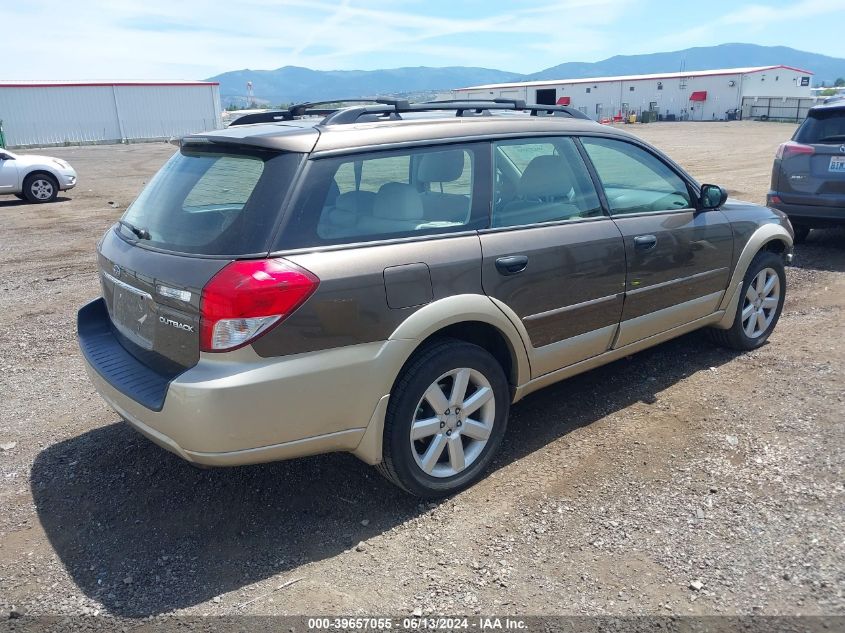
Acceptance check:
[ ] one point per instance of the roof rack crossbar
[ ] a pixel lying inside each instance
(355, 113)
(536, 109)
(309, 108)
(270, 116)
(557, 110)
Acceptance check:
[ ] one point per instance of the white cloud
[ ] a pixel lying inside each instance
(799, 27)
(195, 38)
(102, 38)
(757, 15)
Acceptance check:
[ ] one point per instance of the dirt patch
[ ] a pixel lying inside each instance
(683, 480)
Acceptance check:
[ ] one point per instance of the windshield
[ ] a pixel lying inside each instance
(212, 202)
(823, 127)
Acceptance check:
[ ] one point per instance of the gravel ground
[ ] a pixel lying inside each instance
(683, 480)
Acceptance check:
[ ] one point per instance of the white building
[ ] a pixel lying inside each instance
(43, 113)
(702, 95)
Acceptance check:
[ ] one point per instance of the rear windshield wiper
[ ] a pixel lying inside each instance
(141, 234)
(835, 137)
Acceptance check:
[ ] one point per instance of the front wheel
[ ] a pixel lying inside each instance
(40, 188)
(445, 419)
(760, 304)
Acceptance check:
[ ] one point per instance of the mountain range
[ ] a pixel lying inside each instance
(294, 84)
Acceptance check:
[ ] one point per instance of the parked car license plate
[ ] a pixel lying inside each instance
(837, 163)
(132, 316)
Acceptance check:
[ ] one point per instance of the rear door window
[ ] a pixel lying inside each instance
(541, 180)
(384, 195)
(823, 127)
(213, 202)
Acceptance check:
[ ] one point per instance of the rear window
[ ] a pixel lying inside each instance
(209, 202)
(823, 127)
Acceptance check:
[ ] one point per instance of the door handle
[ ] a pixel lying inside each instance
(645, 242)
(512, 264)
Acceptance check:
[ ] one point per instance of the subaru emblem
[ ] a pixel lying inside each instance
(116, 270)
(842, 149)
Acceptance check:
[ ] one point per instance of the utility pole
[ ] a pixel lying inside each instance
(250, 94)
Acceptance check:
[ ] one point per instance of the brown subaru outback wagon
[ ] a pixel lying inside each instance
(387, 278)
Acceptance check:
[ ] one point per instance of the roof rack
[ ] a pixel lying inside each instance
(392, 109)
(309, 108)
(476, 107)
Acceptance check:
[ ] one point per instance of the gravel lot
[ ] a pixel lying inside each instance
(684, 480)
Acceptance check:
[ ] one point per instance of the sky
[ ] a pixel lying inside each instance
(196, 39)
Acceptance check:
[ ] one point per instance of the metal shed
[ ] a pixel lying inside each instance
(44, 113)
(702, 95)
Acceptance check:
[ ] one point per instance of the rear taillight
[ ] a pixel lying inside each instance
(248, 298)
(791, 148)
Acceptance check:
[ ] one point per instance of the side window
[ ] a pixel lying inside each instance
(634, 180)
(384, 195)
(371, 174)
(461, 184)
(520, 153)
(541, 180)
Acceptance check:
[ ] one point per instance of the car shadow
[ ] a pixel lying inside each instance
(144, 533)
(15, 202)
(824, 249)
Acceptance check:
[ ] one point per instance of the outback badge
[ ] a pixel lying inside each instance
(176, 324)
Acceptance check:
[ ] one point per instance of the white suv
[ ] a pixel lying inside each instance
(34, 178)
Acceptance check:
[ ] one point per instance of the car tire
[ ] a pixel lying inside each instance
(431, 451)
(20, 196)
(764, 285)
(40, 188)
(801, 232)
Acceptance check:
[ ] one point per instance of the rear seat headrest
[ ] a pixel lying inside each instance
(398, 201)
(441, 166)
(546, 175)
(356, 201)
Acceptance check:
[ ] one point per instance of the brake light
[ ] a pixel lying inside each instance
(791, 148)
(248, 298)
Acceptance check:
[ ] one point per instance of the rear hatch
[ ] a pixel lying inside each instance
(813, 165)
(209, 205)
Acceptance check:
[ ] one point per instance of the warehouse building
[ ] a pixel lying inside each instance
(773, 92)
(44, 113)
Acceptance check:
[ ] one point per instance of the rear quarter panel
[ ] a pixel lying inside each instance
(350, 305)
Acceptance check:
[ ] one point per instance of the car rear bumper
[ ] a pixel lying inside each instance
(239, 408)
(830, 211)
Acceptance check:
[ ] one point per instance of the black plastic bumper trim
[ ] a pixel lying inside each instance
(119, 368)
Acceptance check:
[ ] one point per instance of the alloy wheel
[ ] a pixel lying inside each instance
(761, 302)
(453, 422)
(42, 189)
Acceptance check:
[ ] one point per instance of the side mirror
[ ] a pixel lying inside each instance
(712, 196)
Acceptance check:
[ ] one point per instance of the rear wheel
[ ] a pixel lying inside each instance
(445, 419)
(760, 304)
(20, 196)
(40, 188)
